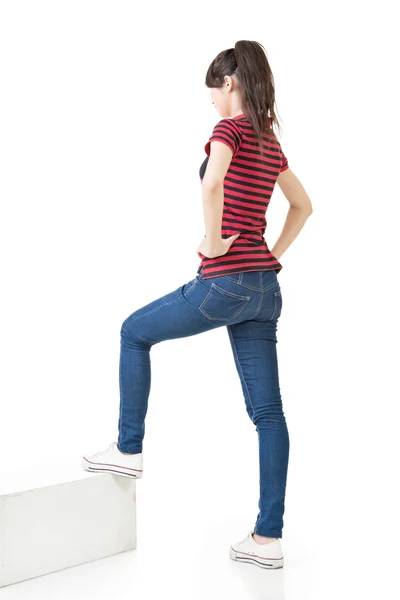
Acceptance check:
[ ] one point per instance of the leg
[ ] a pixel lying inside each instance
(169, 317)
(254, 349)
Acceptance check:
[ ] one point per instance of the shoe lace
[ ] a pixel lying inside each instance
(108, 449)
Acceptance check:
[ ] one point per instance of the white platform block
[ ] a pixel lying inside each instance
(58, 517)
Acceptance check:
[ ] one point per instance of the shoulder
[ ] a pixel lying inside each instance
(228, 132)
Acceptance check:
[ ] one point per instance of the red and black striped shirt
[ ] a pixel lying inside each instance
(248, 186)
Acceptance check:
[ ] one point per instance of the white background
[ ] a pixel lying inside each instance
(104, 116)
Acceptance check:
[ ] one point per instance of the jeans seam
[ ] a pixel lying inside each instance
(240, 367)
(133, 319)
(129, 334)
(261, 303)
(276, 294)
(232, 278)
(270, 286)
(229, 293)
(187, 292)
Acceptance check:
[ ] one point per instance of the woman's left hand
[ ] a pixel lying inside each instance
(205, 251)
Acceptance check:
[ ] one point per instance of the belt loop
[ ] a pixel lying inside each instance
(240, 278)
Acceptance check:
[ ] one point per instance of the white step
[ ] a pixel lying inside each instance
(59, 516)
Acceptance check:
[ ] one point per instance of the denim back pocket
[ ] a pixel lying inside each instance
(222, 305)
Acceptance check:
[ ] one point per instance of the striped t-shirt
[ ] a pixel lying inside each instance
(248, 186)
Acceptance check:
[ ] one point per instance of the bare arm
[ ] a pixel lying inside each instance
(299, 211)
(213, 200)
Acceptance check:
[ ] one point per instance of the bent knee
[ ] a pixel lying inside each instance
(132, 332)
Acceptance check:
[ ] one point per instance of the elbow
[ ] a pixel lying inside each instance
(212, 183)
(304, 208)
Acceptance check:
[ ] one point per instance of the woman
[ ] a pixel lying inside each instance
(236, 286)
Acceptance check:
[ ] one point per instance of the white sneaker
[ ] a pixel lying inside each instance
(112, 460)
(267, 556)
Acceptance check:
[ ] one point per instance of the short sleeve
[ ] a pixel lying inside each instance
(284, 163)
(225, 131)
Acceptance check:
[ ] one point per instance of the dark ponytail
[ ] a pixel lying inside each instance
(248, 63)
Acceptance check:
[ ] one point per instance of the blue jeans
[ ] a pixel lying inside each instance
(249, 304)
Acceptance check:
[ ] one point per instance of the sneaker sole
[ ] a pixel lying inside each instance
(93, 468)
(265, 563)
